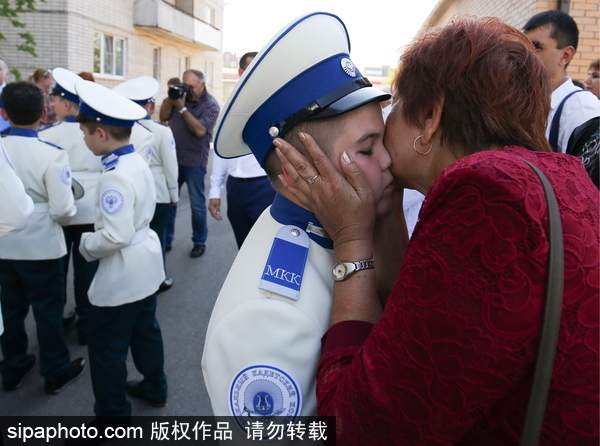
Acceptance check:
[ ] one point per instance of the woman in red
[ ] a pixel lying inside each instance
(449, 359)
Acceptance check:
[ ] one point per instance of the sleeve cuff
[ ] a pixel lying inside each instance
(344, 334)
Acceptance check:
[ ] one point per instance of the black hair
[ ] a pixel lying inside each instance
(244, 62)
(23, 102)
(564, 28)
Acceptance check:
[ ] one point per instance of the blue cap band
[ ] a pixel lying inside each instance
(317, 81)
(60, 91)
(89, 111)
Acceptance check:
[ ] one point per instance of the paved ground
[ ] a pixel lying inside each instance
(183, 313)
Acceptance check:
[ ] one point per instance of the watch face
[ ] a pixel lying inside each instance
(340, 270)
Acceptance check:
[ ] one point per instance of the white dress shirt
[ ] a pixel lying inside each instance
(242, 167)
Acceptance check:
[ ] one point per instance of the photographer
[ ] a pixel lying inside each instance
(192, 113)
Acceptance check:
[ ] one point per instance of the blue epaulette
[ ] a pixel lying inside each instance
(51, 144)
(50, 125)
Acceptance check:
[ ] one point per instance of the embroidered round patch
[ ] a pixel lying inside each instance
(348, 67)
(112, 201)
(65, 174)
(264, 392)
(148, 152)
(172, 143)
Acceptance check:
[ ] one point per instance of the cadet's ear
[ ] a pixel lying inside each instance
(4, 114)
(102, 133)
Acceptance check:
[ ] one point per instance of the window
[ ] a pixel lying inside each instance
(185, 5)
(209, 68)
(188, 62)
(109, 55)
(156, 63)
(210, 16)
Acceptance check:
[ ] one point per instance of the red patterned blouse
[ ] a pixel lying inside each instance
(451, 360)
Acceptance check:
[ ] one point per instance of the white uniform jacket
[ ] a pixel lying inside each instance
(15, 205)
(85, 166)
(163, 161)
(258, 335)
(131, 264)
(44, 170)
(578, 109)
(142, 140)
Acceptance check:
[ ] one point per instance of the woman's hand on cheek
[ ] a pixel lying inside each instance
(342, 201)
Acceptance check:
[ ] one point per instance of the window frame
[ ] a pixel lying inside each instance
(99, 55)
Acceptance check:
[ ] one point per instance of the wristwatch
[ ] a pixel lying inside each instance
(184, 109)
(342, 270)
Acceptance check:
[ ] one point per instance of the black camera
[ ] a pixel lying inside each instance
(178, 90)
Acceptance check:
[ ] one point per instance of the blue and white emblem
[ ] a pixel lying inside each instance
(112, 201)
(348, 67)
(261, 393)
(65, 174)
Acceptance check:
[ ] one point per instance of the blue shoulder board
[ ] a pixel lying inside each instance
(51, 144)
(50, 125)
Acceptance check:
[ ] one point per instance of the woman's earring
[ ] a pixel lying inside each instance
(415, 146)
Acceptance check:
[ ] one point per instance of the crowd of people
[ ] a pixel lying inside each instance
(333, 306)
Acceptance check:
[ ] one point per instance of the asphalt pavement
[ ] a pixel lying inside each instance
(183, 313)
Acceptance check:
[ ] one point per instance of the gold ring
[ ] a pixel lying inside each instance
(311, 180)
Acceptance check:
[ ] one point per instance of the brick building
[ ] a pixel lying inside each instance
(122, 39)
(517, 12)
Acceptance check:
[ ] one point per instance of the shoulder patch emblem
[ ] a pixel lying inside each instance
(112, 201)
(262, 392)
(65, 174)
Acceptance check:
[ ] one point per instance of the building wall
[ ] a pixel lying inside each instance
(517, 12)
(64, 32)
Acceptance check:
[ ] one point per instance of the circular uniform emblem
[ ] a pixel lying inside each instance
(348, 67)
(112, 201)
(263, 392)
(65, 174)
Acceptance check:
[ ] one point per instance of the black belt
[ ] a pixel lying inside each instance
(245, 180)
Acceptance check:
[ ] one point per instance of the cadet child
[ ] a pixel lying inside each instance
(86, 170)
(163, 160)
(123, 292)
(31, 268)
(263, 339)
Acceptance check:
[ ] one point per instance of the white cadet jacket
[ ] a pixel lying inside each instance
(16, 206)
(142, 140)
(131, 263)
(44, 170)
(85, 166)
(163, 161)
(262, 347)
(577, 110)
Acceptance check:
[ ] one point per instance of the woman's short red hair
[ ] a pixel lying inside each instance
(496, 90)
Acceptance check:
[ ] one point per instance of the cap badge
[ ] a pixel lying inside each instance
(348, 67)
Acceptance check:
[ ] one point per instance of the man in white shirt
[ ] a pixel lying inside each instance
(554, 34)
(249, 191)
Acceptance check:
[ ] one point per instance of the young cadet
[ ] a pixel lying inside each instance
(31, 267)
(16, 205)
(123, 292)
(163, 160)
(85, 168)
(263, 339)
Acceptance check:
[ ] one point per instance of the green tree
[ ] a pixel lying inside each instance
(10, 9)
